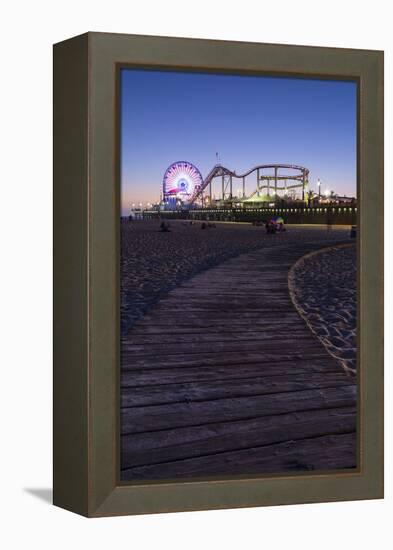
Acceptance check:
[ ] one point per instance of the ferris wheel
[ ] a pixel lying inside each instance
(181, 180)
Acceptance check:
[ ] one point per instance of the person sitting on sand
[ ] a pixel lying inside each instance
(270, 227)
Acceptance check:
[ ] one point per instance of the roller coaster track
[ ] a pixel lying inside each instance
(219, 170)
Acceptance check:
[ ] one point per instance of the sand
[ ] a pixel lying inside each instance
(323, 288)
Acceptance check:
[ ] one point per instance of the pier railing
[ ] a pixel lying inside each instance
(338, 215)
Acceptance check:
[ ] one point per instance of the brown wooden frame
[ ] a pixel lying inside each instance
(86, 273)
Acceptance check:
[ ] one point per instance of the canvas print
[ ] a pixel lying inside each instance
(238, 275)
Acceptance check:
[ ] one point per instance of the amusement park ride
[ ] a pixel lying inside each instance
(184, 185)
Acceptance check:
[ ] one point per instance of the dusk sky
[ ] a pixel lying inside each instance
(172, 116)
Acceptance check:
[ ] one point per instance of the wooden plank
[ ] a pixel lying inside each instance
(269, 345)
(213, 308)
(208, 327)
(205, 391)
(161, 339)
(161, 318)
(322, 453)
(131, 361)
(133, 378)
(159, 417)
(190, 442)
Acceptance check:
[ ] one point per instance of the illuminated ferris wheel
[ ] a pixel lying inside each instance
(181, 180)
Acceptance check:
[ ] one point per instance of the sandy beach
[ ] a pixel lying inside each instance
(323, 288)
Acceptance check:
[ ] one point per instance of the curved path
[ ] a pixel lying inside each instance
(223, 377)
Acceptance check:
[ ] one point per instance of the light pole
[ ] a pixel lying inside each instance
(319, 188)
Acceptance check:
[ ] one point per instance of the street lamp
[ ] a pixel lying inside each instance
(319, 188)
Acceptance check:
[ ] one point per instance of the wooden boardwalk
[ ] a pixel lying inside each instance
(223, 377)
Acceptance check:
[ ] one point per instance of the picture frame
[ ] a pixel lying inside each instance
(87, 273)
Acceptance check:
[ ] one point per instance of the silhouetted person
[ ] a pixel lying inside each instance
(329, 220)
(164, 227)
(270, 227)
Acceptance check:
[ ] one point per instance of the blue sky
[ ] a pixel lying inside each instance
(248, 120)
